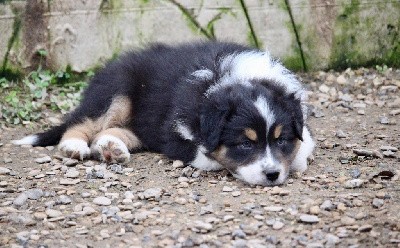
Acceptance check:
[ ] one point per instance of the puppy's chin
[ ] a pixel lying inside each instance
(254, 174)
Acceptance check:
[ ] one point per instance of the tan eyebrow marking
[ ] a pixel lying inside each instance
(278, 131)
(251, 134)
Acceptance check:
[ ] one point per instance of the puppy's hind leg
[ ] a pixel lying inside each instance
(112, 145)
(74, 142)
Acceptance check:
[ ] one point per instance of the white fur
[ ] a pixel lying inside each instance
(28, 140)
(202, 162)
(255, 173)
(205, 74)
(241, 67)
(184, 131)
(104, 141)
(263, 108)
(77, 146)
(306, 148)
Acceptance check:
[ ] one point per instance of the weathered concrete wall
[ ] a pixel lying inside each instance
(305, 34)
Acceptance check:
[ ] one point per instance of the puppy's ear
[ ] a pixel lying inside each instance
(212, 121)
(297, 116)
(298, 128)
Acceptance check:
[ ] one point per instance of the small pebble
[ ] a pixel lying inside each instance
(309, 218)
(102, 201)
(4, 171)
(52, 213)
(377, 203)
(278, 225)
(20, 200)
(227, 189)
(347, 221)
(43, 160)
(354, 183)
(236, 193)
(178, 164)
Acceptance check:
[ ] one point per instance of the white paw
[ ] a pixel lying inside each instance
(74, 148)
(110, 149)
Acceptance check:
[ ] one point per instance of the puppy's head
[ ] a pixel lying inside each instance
(253, 131)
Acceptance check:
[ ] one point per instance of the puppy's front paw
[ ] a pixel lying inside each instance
(110, 149)
(74, 148)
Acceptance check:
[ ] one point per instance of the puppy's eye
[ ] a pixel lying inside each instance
(246, 145)
(281, 142)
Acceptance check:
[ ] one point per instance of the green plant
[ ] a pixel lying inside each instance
(382, 69)
(40, 90)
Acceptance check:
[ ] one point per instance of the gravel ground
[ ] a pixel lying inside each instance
(349, 196)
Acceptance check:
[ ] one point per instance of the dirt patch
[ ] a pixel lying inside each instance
(349, 196)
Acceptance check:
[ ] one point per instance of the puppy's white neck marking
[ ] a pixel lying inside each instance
(202, 162)
(183, 130)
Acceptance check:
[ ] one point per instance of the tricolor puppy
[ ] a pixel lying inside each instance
(212, 105)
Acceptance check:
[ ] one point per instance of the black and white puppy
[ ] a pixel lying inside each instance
(212, 105)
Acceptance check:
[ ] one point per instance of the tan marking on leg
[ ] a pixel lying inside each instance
(117, 115)
(84, 131)
(251, 134)
(278, 131)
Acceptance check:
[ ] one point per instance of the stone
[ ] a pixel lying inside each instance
(52, 213)
(365, 228)
(354, 183)
(153, 193)
(341, 80)
(227, 189)
(23, 237)
(202, 225)
(20, 199)
(327, 205)
(273, 208)
(228, 218)
(236, 193)
(63, 200)
(389, 148)
(102, 201)
(238, 233)
(70, 162)
(206, 209)
(377, 203)
(340, 134)
(347, 221)
(4, 171)
(42, 160)
(315, 210)
(65, 181)
(34, 194)
(306, 218)
(278, 225)
(331, 240)
(72, 173)
(178, 164)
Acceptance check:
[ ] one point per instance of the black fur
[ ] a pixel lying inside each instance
(162, 89)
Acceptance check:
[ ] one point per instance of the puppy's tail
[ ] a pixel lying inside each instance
(49, 138)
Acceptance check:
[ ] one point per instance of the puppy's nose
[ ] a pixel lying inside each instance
(272, 175)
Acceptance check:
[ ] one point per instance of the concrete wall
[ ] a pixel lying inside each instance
(305, 34)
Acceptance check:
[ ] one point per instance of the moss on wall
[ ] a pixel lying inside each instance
(362, 40)
(8, 70)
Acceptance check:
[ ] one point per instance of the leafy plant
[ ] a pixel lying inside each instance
(40, 90)
(382, 69)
